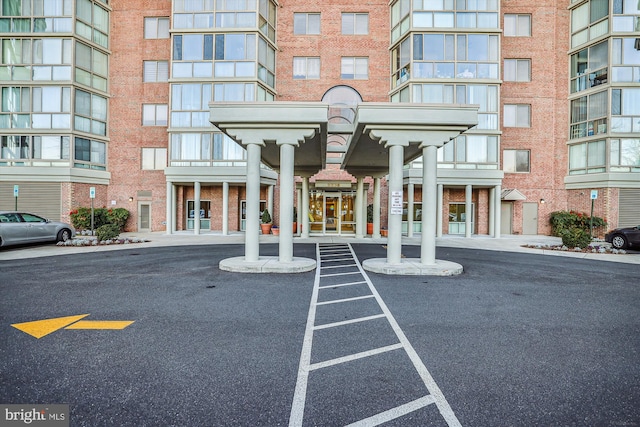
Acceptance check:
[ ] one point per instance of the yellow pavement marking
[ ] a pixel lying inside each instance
(100, 324)
(40, 328)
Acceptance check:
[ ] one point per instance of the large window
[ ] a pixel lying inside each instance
(192, 55)
(22, 147)
(626, 59)
(459, 13)
(306, 68)
(306, 23)
(91, 67)
(517, 115)
(517, 70)
(470, 152)
(235, 55)
(156, 27)
(589, 67)
(484, 95)
(205, 14)
(589, 115)
(89, 154)
(235, 92)
(517, 25)
(589, 21)
(90, 113)
(516, 161)
(92, 22)
(470, 56)
(355, 23)
(36, 59)
(204, 149)
(46, 16)
(625, 110)
(190, 104)
(626, 16)
(625, 155)
(588, 157)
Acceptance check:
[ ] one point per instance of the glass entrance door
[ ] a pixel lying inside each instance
(332, 213)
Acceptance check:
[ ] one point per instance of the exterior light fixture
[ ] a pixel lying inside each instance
(543, 201)
(131, 199)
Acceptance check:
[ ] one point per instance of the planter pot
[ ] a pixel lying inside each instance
(384, 233)
(369, 228)
(266, 228)
(275, 231)
(295, 227)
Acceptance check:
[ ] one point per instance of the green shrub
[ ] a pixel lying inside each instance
(576, 238)
(562, 221)
(118, 216)
(266, 217)
(81, 218)
(108, 232)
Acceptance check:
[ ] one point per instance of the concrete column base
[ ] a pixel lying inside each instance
(266, 264)
(412, 267)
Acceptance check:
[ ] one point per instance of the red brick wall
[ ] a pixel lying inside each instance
(128, 93)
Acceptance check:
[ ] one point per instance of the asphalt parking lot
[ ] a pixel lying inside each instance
(516, 340)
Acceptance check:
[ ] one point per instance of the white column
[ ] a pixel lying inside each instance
(498, 209)
(298, 209)
(468, 192)
(287, 153)
(196, 207)
(492, 211)
(270, 200)
(394, 240)
(170, 208)
(305, 208)
(358, 207)
(225, 208)
(376, 207)
(429, 204)
(410, 189)
(439, 210)
(252, 233)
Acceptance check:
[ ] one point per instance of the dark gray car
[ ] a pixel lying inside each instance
(622, 238)
(17, 228)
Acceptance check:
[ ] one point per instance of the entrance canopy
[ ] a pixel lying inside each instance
(366, 152)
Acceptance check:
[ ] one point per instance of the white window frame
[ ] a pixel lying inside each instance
(153, 159)
(512, 70)
(351, 63)
(510, 161)
(513, 113)
(301, 67)
(352, 26)
(155, 114)
(153, 28)
(305, 30)
(519, 31)
(155, 71)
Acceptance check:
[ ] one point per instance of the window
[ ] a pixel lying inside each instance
(91, 67)
(517, 25)
(306, 68)
(515, 161)
(517, 115)
(306, 23)
(189, 105)
(625, 110)
(353, 68)
(469, 152)
(625, 153)
(92, 22)
(589, 115)
(589, 21)
(355, 23)
(89, 154)
(156, 71)
(626, 59)
(90, 113)
(154, 114)
(588, 157)
(234, 92)
(589, 67)
(156, 28)
(517, 70)
(154, 158)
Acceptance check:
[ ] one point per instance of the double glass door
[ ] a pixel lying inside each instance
(332, 212)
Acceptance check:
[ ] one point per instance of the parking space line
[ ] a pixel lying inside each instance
(338, 266)
(336, 260)
(341, 284)
(337, 301)
(355, 356)
(339, 274)
(338, 254)
(394, 413)
(348, 322)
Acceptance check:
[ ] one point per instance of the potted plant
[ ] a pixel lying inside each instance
(275, 230)
(384, 232)
(370, 219)
(266, 222)
(295, 220)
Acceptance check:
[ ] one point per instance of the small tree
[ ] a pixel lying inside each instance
(266, 217)
(370, 213)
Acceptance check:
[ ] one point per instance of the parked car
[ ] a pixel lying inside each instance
(622, 238)
(21, 227)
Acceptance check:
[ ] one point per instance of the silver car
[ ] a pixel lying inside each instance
(17, 228)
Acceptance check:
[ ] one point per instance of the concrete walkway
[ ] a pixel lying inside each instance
(509, 243)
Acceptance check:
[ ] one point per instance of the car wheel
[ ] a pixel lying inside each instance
(619, 241)
(64, 235)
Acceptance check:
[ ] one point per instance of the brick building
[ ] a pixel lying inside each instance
(115, 95)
